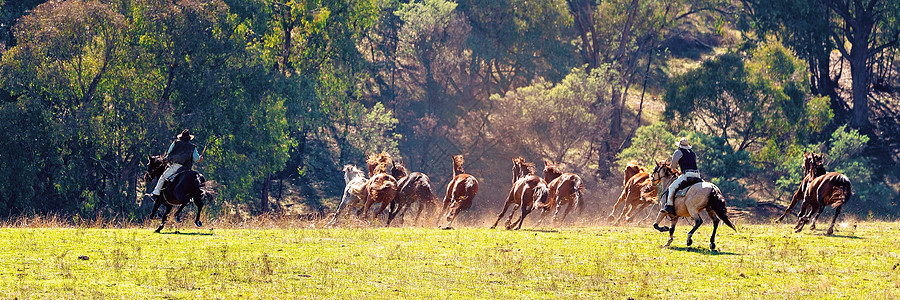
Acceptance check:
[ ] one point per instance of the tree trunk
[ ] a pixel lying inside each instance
(264, 203)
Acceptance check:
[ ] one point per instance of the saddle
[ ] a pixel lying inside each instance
(170, 179)
(681, 190)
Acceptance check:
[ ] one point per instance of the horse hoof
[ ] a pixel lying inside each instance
(158, 230)
(177, 219)
(830, 232)
(198, 223)
(689, 242)
(447, 228)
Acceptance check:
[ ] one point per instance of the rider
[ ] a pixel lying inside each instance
(685, 159)
(181, 153)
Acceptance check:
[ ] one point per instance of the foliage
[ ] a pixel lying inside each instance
(554, 122)
(416, 263)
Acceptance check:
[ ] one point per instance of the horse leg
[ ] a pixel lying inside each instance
(156, 205)
(403, 213)
(671, 232)
(199, 204)
(511, 215)
(525, 211)
(837, 211)
(165, 215)
(341, 206)
(803, 216)
(505, 206)
(566, 212)
(451, 215)
(620, 201)
(659, 217)
(393, 209)
(715, 220)
(794, 200)
(819, 208)
(178, 212)
(697, 222)
(649, 213)
(366, 206)
(381, 209)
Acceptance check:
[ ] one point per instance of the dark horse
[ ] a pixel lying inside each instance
(412, 188)
(187, 186)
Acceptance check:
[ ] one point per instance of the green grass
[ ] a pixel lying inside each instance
(758, 262)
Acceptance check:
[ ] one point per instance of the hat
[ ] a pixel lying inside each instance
(683, 143)
(185, 135)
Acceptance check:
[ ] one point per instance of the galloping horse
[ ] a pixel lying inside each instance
(412, 188)
(527, 192)
(831, 189)
(353, 191)
(638, 193)
(186, 186)
(565, 189)
(382, 187)
(700, 196)
(812, 168)
(461, 191)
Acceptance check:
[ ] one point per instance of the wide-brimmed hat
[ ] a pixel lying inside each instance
(185, 135)
(683, 143)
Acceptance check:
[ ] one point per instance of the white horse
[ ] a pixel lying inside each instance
(353, 192)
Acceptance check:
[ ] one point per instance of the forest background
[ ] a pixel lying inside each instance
(281, 94)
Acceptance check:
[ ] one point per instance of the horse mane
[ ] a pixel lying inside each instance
(551, 171)
(458, 161)
(399, 170)
(379, 160)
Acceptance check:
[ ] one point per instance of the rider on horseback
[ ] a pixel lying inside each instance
(181, 154)
(686, 159)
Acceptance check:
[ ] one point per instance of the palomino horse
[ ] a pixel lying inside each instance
(700, 196)
(461, 192)
(565, 189)
(638, 193)
(832, 189)
(527, 192)
(353, 191)
(412, 188)
(812, 168)
(382, 187)
(187, 186)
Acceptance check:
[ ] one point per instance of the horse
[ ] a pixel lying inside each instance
(832, 189)
(637, 194)
(381, 187)
(565, 189)
(812, 168)
(461, 191)
(700, 196)
(527, 192)
(355, 182)
(186, 186)
(412, 188)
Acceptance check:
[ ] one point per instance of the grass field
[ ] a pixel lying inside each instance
(758, 262)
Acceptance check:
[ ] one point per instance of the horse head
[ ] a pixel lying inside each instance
(351, 172)
(458, 161)
(662, 171)
(156, 165)
(551, 171)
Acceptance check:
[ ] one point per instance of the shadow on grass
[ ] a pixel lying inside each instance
(188, 233)
(852, 237)
(705, 251)
(540, 230)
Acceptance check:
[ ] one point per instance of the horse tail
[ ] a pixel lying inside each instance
(539, 196)
(841, 191)
(579, 194)
(717, 201)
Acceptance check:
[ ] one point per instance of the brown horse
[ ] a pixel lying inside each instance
(381, 187)
(638, 193)
(412, 188)
(527, 192)
(565, 189)
(700, 196)
(812, 168)
(461, 191)
(832, 189)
